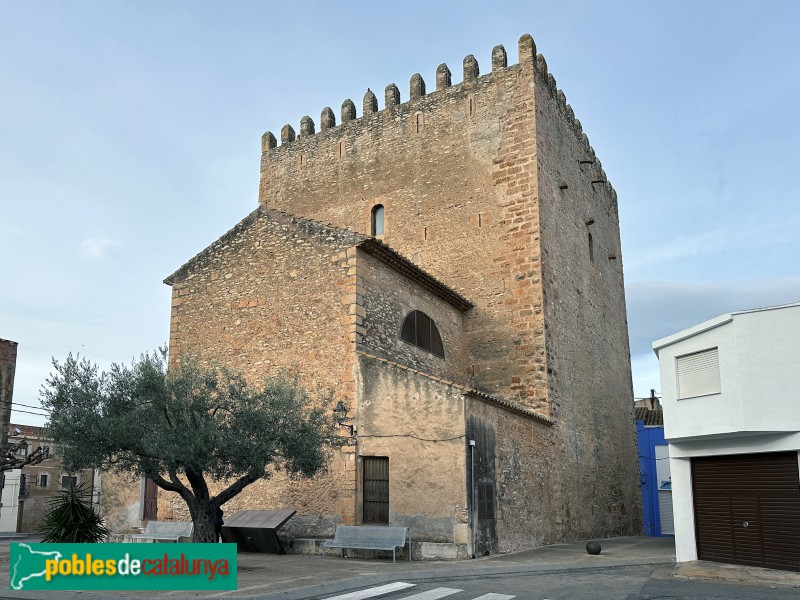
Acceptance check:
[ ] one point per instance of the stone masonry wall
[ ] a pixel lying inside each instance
(455, 170)
(546, 490)
(274, 295)
(492, 186)
(387, 298)
(8, 366)
(588, 354)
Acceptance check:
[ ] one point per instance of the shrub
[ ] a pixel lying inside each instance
(71, 519)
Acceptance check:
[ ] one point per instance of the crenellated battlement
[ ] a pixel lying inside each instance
(420, 100)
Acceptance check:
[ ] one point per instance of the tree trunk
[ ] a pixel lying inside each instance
(203, 518)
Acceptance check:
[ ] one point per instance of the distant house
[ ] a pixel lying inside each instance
(27, 491)
(654, 470)
(732, 420)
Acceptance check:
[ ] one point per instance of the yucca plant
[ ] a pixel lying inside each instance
(70, 518)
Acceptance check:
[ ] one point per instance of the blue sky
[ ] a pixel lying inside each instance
(130, 139)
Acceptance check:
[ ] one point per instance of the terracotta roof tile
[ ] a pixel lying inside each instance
(29, 431)
(650, 418)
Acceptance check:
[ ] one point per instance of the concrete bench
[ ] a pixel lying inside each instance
(365, 537)
(165, 530)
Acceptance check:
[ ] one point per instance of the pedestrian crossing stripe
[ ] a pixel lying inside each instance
(372, 592)
(433, 594)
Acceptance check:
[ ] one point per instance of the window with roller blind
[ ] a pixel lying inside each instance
(698, 373)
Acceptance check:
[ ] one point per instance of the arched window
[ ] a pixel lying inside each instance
(377, 220)
(420, 330)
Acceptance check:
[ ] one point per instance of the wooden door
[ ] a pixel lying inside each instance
(150, 512)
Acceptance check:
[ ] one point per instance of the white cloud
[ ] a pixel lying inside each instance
(97, 248)
(721, 239)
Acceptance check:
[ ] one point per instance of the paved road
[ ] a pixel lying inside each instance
(619, 583)
(630, 568)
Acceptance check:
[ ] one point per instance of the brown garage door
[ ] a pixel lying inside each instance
(747, 509)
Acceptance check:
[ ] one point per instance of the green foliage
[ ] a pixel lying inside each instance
(70, 518)
(191, 420)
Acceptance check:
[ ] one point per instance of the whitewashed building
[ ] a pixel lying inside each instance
(731, 400)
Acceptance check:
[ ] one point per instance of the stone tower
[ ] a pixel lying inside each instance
(482, 205)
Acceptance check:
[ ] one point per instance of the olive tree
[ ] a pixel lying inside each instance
(186, 427)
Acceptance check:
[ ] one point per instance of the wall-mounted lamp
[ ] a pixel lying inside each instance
(340, 415)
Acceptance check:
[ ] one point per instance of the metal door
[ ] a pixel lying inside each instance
(376, 489)
(747, 509)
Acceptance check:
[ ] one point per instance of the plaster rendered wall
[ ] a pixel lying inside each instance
(768, 349)
(387, 298)
(38, 498)
(455, 170)
(703, 415)
(587, 348)
(33, 512)
(9, 500)
(276, 295)
(683, 509)
(758, 356)
(419, 424)
(121, 502)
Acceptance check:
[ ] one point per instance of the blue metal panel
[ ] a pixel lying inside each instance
(649, 438)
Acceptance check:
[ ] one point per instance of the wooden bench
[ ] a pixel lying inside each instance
(365, 537)
(165, 530)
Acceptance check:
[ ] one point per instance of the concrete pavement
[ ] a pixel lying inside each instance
(296, 577)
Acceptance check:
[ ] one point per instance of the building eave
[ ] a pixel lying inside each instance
(390, 257)
(467, 391)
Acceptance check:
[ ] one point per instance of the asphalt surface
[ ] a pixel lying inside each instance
(633, 568)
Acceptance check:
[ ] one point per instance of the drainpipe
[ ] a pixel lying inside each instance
(472, 495)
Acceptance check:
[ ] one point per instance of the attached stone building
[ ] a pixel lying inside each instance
(28, 492)
(451, 266)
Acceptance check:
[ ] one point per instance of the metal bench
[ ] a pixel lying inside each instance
(165, 530)
(364, 537)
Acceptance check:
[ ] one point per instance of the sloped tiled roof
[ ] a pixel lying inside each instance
(347, 237)
(29, 431)
(650, 417)
(510, 406)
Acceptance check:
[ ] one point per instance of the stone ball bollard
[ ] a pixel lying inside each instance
(593, 548)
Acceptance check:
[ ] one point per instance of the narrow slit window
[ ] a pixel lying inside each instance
(377, 220)
(485, 501)
(420, 330)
